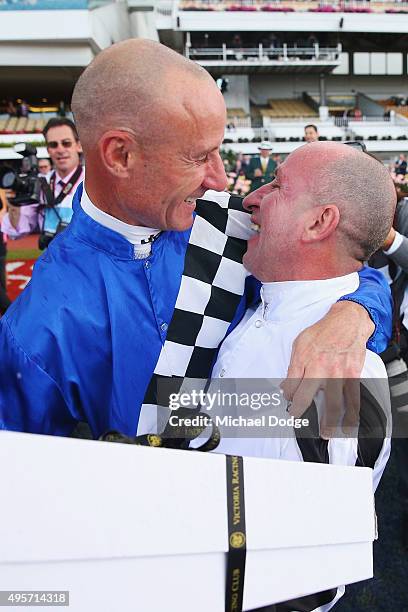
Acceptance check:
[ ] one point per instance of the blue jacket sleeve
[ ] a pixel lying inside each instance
(375, 295)
(30, 400)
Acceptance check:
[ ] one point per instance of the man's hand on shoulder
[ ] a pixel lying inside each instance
(330, 355)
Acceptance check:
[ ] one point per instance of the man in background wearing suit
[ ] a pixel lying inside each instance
(262, 167)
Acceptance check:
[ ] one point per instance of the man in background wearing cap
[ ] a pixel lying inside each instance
(262, 167)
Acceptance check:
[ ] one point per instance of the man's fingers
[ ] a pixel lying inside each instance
(333, 396)
(304, 396)
(296, 372)
(289, 387)
(351, 419)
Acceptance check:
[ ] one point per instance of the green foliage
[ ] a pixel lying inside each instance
(10, 145)
(229, 155)
(17, 255)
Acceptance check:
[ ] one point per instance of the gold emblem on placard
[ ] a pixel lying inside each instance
(154, 440)
(237, 539)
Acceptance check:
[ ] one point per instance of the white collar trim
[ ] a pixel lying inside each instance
(288, 298)
(133, 233)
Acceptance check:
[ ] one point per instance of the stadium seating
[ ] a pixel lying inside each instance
(287, 109)
(11, 126)
(29, 127)
(21, 125)
(39, 125)
(236, 112)
(389, 105)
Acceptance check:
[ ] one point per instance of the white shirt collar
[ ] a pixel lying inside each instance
(133, 233)
(285, 299)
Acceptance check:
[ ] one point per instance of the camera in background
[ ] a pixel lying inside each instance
(25, 183)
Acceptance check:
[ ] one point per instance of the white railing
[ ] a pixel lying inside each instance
(301, 120)
(264, 54)
(166, 7)
(344, 121)
(234, 124)
(238, 122)
(367, 119)
(248, 133)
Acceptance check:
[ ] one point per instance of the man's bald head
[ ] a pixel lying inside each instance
(151, 124)
(362, 189)
(134, 84)
(329, 208)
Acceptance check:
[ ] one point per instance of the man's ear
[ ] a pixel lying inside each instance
(118, 152)
(320, 223)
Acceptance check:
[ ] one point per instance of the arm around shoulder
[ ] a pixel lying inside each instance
(374, 295)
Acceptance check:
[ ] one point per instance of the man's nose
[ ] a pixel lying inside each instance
(215, 176)
(253, 200)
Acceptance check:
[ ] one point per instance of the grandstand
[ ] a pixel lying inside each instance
(288, 109)
(340, 64)
(23, 125)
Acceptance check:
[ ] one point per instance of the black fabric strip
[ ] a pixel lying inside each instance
(393, 381)
(372, 430)
(313, 448)
(399, 401)
(234, 589)
(235, 203)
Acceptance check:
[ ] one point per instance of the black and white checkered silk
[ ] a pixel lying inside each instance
(211, 288)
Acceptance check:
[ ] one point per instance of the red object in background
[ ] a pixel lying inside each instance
(18, 275)
(277, 9)
(22, 244)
